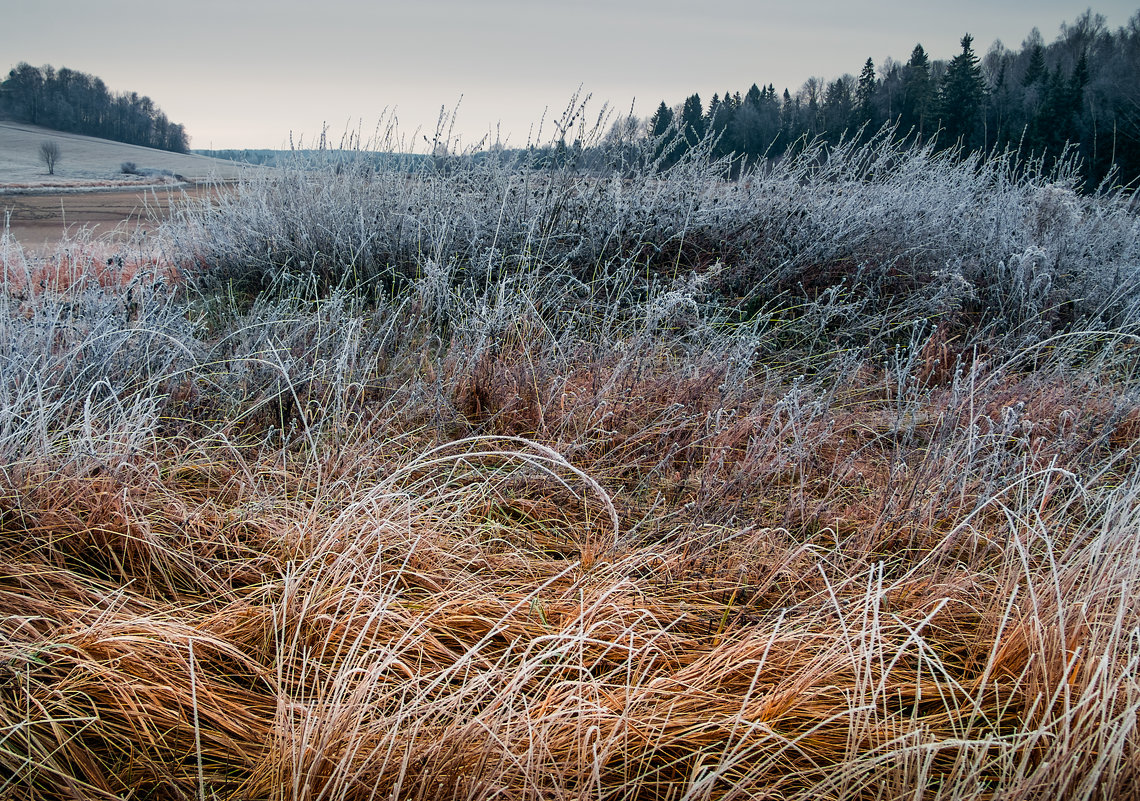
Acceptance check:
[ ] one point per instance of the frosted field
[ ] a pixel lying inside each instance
(87, 161)
(496, 480)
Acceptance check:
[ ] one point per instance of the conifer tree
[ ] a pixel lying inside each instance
(711, 115)
(789, 116)
(865, 97)
(1078, 81)
(839, 107)
(918, 93)
(962, 97)
(753, 97)
(744, 134)
(693, 120)
(661, 120)
(1035, 71)
(660, 128)
(720, 118)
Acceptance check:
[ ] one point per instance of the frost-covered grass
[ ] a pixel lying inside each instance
(853, 230)
(483, 482)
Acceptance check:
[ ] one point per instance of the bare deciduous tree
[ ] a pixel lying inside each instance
(49, 154)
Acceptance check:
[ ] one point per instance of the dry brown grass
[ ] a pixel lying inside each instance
(818, 596)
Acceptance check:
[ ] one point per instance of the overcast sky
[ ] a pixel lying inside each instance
(247, 73)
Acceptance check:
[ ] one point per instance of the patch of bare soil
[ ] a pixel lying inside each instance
(39, 221)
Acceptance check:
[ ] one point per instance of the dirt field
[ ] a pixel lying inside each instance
(39, 221)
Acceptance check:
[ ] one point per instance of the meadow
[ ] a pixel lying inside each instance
(521, 480)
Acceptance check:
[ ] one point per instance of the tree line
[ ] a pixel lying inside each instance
(67, 100)
(1077, 96)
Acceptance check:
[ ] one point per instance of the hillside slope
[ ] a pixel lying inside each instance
(86, 160)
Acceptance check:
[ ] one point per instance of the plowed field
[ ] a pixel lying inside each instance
(39, 221)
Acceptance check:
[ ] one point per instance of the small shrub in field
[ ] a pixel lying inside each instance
(49, 154)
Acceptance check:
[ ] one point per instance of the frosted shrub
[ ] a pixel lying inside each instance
(85, 350)
(899, 227)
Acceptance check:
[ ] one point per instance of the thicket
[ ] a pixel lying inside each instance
(72, 101)
(492, 481)
(988, 247)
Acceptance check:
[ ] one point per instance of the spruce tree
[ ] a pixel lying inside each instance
(711, 115)
(661, 120)
(693, 120)
(864, 99)
(720, 118)
(838, 107)
(789, 116)
(1078, 81)
(962, 98)
(660, 129)
(918, 93)
(753, 97)
(1035, 71)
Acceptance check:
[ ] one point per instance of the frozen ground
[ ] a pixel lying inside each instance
(89, 162)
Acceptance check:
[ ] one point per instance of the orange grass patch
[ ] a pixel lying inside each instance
(785, 611)
(87, 263)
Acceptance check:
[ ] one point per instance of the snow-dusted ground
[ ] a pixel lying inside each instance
(86, 162)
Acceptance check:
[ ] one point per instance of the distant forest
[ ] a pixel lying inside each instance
(1080, 92)
(76, 102)
(326, 157)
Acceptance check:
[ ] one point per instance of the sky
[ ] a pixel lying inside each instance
(253, 73)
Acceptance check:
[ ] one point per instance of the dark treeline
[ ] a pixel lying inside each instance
(76, 102)
(1081, 92)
